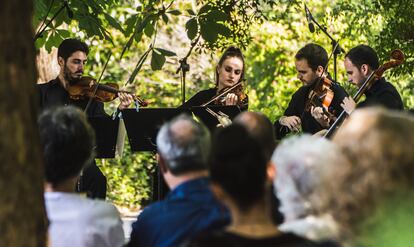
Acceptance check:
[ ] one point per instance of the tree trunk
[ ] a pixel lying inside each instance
(47, 65)
(22, 212)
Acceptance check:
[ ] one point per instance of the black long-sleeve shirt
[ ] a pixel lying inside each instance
(297, 105)
(52, 94)
(382, 93)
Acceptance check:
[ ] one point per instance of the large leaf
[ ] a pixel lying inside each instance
(204, 9)
(149, 29)
(157, 60)
(130, 24)
(113, 22)
(191, 12)
(165, 18)
(138, 67)
(209, 31)
(192, 28)
(217, 15)
(166, 53)
(174, 12)
(223, 30)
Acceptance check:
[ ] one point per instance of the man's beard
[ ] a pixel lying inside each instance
(69, 78)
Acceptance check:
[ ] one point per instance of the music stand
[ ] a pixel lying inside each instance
(208, 119)
(142, 126)
(106, 132)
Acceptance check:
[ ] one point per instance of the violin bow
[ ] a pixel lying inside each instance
(97, 83)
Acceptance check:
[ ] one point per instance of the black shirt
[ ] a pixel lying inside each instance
(52, 94)
(384, 94)
(227, 239)
(204, 96)
(297, 105)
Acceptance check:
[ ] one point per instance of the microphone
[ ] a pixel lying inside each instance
(309, 18)
(69, 11)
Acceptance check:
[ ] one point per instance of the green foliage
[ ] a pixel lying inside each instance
(129, 177)
(387, 24)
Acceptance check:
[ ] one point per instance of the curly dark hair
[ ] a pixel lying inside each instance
(67, 140)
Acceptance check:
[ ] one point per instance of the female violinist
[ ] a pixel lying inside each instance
(229, 72)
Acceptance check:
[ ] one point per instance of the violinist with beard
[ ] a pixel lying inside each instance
(310, 62)
(72, 56)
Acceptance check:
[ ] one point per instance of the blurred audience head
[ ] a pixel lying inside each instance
(260, 128)
(379, 144)
(184, 145)
(302, 164)
(238, 166)
(67, 140)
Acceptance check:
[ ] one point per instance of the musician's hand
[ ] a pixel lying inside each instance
(126, 100)
(349, 105)
(318, 114)
(231, 99)
(292, 122)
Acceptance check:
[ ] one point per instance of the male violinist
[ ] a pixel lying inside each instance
(72, 56)
(360, 62)
(310, 62)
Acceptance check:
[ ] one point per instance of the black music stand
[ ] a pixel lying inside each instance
(106, 133)
(208, 119)
(142, 127)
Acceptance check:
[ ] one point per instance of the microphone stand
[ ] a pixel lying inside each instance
(336, 49)
(40, 32)
(185, 67)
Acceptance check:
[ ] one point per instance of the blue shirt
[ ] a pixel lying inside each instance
(187, 210)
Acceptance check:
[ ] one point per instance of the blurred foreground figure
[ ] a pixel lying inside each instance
(373, 197)
(67, 141)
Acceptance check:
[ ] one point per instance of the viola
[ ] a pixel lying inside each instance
(321, 96)
(87, 87)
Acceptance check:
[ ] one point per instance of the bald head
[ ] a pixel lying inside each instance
(260, 128)
(184, 144)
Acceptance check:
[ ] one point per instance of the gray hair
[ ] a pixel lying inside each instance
(184, 144)
(302, 163)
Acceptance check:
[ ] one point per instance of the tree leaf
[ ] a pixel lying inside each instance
(223, 30)
(217, 15)
(191, 12)
(113, 22)
(209, 31)
(174, 12)
(165, 18)
(192, 28)
(149, 29)
(130, 23)
(157, 60)
(204, 9)
(166, 53)
(138, 67)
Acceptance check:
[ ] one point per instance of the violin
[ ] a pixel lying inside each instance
(221, 95)
(87, 87)
(322, 96)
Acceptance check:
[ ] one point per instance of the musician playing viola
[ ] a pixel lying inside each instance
(360, 62)
(310, 62)
(229, 71)
(72, 56)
